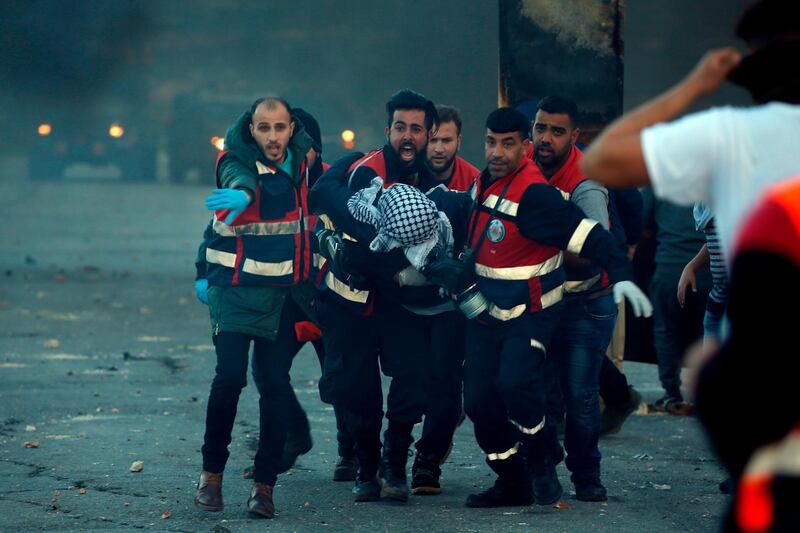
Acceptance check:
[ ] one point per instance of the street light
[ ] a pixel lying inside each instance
(116, 131)
(348, 138)
(44, 129)
(218, 142)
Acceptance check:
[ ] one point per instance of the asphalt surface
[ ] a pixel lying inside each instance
(106, 359)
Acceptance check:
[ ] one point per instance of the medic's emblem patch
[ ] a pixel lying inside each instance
(496, 230)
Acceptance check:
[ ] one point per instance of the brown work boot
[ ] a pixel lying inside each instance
(260, 501)
(209, 491)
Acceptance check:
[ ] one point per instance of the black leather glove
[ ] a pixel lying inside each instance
(451, 274)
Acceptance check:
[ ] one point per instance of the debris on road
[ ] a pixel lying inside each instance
(30, 444)
(137, 466)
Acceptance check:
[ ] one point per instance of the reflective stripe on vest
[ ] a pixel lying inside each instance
(506, 206)
(520, 272)
(343, 289)
(260, 268)
(219, 257)
(549, 298)
(582, 285)
(258, 228)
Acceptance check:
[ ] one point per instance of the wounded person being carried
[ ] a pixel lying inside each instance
(405, 218)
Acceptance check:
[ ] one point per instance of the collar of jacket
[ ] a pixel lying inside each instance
(240, 143)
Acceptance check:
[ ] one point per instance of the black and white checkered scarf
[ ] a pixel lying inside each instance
(404, 217)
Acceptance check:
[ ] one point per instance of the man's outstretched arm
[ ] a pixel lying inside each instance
(615, 158)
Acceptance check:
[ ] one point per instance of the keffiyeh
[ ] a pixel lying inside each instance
(404, 217)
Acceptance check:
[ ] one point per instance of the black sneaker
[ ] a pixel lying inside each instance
(296, 445)
(425, 474)
(613, 417)
(590, 491)
(367, 491)
(346, 469)
(502, 494)
(392, 477)
(547, 488)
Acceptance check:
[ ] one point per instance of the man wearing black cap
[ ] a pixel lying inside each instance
(517, 231)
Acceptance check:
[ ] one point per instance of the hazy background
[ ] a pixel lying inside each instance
(175, 73)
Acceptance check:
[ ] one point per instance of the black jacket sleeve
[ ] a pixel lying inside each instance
(200, 260)
(234, 174)
(329, 196)
(546, 217)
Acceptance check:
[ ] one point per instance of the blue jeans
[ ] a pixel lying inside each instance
(577, 351)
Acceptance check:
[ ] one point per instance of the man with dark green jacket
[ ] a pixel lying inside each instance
(259, 263)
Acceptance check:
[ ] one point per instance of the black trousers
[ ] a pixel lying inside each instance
(446, 374)
(392, 340)
(297, 423)
(277, 401)
(504, 392)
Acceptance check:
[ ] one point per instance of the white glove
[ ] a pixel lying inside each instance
(639, 302)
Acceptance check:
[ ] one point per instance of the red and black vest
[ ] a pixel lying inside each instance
(270, 242)
(514, 273)
(464, 175)
(581, 280)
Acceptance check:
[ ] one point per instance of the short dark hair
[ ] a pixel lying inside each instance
(768, 20)
(506, 120)
(448, 113)
(559, 105)
(408, 99)
(271, 102)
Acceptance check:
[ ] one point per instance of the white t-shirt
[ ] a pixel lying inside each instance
(724, 157)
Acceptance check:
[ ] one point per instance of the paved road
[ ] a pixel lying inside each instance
(105, 359)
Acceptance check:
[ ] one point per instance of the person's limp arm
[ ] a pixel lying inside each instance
(615, 158)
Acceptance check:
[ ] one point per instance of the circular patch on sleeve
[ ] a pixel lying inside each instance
(496, 230)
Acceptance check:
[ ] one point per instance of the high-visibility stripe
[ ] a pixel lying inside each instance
(552, 297)
(581, 285)
(506, 314)
(575, 244)
(319, 261)
(520, 272)
(506, 206)
(344, 290)
(259, 268)
(291, 227)
(528, 431)
(503, 455)
(537, 345)
(219, 257)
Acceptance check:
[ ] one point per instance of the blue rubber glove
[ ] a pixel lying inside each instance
(201, 290)
(233, 199)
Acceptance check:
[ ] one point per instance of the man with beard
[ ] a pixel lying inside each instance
(445, 329)
(259, 262)
(364, 309)
(517, 231)
(446, 166)
(584, 329)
